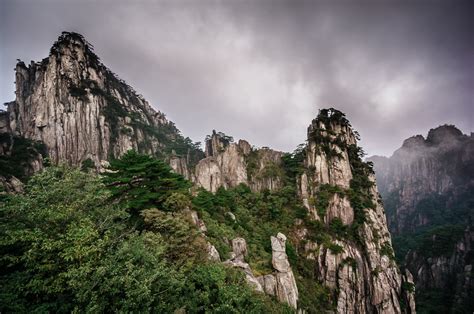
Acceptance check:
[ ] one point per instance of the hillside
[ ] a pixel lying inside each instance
(428, 186)
(126, 214)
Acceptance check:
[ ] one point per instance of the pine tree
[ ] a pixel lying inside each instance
(141, 182)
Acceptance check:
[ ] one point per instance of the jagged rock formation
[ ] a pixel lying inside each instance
(229, 164)
(428, 189)
(81, 110)
(10, 185)
(339, 190)
(281, 283)
(237, 260)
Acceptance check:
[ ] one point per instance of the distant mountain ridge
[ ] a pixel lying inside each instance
(428, 190)
(442, 163)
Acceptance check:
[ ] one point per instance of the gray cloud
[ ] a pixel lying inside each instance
(260, 70)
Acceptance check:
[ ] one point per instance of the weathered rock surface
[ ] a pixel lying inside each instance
(339, 207)
(281, 283)
(239, 248)
(450, 274)
(227, 164)
(81, 110)
(279, 257)
(268, 282)
(441, 164)
(427, 186)
(362, 275)
(237, 260)
(10, 185)
(224, 169)
(285, 287)
(212, 252)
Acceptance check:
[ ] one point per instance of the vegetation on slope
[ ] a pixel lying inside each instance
(123, 241)
(20, 152)
(70, 243)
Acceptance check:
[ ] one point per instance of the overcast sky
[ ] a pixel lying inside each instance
(260, 70)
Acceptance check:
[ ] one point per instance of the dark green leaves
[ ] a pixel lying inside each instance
(140, 181)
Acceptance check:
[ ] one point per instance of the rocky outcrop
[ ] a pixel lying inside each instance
(225, 168)
(284, 283)
(237, 260)
(212, 253)
(81, 110)
(281, 283)
(10, 185)
(228, 164)
(338, 188)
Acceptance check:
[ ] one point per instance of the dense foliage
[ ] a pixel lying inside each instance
(141, 181)
(257, 217)
(68, 244)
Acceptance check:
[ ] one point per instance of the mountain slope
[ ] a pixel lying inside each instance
(81, 110)
(428, 191)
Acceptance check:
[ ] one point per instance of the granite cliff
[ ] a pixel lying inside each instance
(82, 111)
(340, 193)
(229, 164)
(427, 186)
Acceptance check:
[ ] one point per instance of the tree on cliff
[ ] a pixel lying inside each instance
(141, 182)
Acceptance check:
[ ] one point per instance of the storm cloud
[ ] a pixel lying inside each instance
(260, 70)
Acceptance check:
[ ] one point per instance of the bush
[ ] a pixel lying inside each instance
(177, 201)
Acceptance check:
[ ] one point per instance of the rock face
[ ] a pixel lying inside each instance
(237, 260)
(281, 283)
(229, 164)
(450, 274)
(226, 168)
(443, 164)
(11, 185)
(81, 110)
(19, 157)
(339, 190)
(428, 188)
(284, 284)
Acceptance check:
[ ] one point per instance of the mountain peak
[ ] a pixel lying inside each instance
(443, 133)
(414, 142)
(74, 44)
